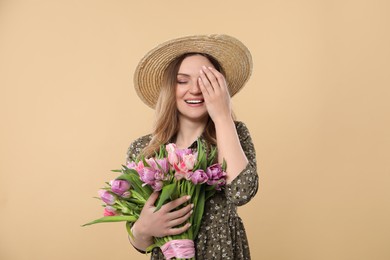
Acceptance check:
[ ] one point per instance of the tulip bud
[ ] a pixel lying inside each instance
(107, 197)
(126, 194)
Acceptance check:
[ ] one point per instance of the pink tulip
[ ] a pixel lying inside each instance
(164, 164)
(137, 166)
(109, 211)
(173, 158)
(182, 152)
(181, 167)
(131, 165)
(157, 185)
(159, 175)
(180, 175)
(171, 148)
(152, 163)
(107, 197)
(189, 160)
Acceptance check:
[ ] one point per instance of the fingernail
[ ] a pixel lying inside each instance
(192, 205)
(188, 197)
(189, 224)
(191, 211)
(210, 68)
(204, 67)
(201, 71)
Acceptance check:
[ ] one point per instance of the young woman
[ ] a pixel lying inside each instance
(189, 81)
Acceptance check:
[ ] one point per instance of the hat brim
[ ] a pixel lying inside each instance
(233, 56)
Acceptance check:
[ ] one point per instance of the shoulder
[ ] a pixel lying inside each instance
(143, 140)
(137, 146)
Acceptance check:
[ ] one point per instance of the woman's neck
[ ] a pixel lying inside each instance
(189, 131)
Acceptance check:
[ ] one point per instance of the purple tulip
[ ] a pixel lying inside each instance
(126, 194)
(217, 177)
(198, 177)
(107, 197)
(215, 172)
(119, 186)
(218, 184)
(147, 175)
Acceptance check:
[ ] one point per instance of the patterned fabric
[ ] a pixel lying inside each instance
(222, 234)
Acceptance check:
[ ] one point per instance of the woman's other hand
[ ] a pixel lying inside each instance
(161, 223)
(215, 93)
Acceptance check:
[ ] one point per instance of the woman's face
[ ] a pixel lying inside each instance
(189, 98)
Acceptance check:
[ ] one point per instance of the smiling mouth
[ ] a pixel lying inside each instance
(194, 101)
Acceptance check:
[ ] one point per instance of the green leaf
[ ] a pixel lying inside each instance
(224, 165)
(150, 248)
(162, 153)
(201, 162)
(112, 219)
(129, 171)
(198, 209)
(129, 225)
(166, 193)
(136, 183)
(210, 193)
(144, 161)
(116, 170)
(212, 155)
(137, 197)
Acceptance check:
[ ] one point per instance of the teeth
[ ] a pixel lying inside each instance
(194, 101)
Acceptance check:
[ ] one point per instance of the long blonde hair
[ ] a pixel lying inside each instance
(166, 123)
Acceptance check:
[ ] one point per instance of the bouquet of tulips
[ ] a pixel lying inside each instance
(174, 172)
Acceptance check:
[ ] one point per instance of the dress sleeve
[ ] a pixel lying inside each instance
(136, 147)
(244, 187)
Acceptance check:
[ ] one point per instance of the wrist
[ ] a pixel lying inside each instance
(223, 121)
(139, 233)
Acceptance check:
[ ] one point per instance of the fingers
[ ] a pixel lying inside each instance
(219, 77)
(178, 213)
(177, 221)
(203, 88)
(208, 80)
(174, 204)
(178, 230)
(152, 199)
(211, 79)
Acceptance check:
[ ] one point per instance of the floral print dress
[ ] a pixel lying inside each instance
(222, 233)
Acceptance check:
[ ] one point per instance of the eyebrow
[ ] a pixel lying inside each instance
(183, 74)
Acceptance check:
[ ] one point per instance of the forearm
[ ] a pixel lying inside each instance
(229, 148)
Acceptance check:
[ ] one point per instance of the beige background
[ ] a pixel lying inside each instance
(317, 107)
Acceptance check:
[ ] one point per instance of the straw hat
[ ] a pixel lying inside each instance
(233, 56)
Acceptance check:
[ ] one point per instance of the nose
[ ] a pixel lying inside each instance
(195, 88)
